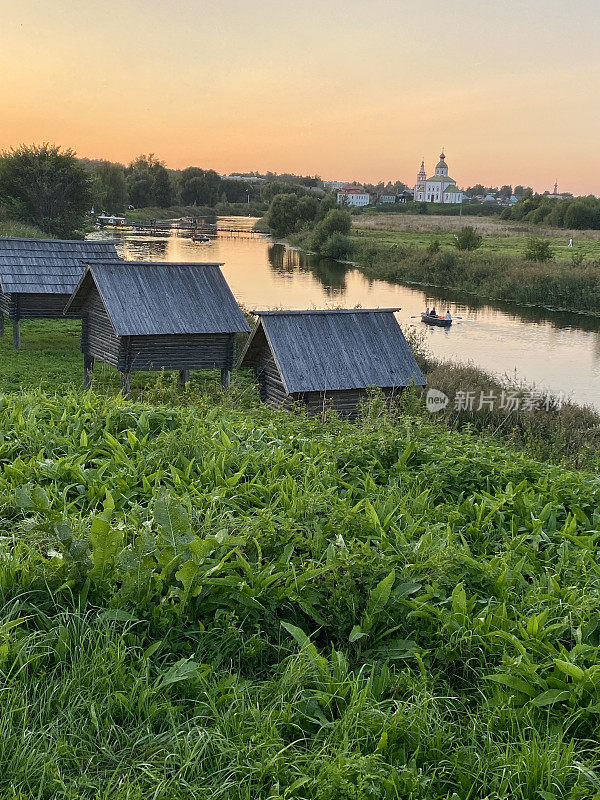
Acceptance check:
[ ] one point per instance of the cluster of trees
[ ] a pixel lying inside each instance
(46, 187)
(580, 213)
(146, 182)
(505, 191)
(325, 226)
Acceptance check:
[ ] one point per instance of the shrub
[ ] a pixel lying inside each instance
(338, 245)
(336, 220)
(538, 250)
(433, 247)
(468, 238)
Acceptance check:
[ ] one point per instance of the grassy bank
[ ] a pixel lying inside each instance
(254, 209)
(21, 230)
(203, 602)
(499, 237)
(490, 276)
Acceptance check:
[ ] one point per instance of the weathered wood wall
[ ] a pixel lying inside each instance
(180, 351)
(347, 403)
(270, 386)
(34, 306)
(98, 337)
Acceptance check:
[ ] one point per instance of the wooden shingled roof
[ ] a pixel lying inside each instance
(154, 298)
(47, 266)
(335, 350)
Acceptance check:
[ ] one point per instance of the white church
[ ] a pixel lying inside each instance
(440, 188)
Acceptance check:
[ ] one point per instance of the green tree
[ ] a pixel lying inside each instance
(467, 238)
(149, 182)
(46, 186)
(282, 216)
(580, 215)
(328, 203)
(162, 187)
(539, 250)
(337, 245)
(200, 187)
(337, 220)
(111, 187)
(308, 208)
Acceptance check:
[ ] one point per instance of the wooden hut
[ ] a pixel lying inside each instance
(38, 276)
(329, 358)
(157, 315)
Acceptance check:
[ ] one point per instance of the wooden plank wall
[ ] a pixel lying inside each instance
(98, 337)
(270, 386)
(180, 351)
(43, 306)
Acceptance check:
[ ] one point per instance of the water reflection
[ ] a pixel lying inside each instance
(145, 249)
(286, 261)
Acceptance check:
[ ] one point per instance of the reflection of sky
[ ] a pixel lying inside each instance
(261, 275)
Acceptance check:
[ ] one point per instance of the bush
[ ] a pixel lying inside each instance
(433, 247)
(539, 250)
(336, 220)
(468, 238)
(338, 245)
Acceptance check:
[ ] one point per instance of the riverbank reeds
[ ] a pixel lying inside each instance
(573, 286)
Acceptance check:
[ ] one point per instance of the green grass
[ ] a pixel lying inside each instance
(204, 598)
(215, 603)
(511, 245)
(21, 230)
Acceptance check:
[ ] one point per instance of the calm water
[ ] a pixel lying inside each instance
(556, 352)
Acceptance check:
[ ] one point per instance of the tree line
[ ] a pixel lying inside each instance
(50, 188)
(580, 213)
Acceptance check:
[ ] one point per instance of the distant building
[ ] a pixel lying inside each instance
(387, 198)
(353, 195)
(440, 188)
(333, 186)
(490, 198)
(246, 178)
(555, 195)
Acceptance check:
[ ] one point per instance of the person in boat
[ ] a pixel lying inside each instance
(427, 311)
(448, 315)
(433, 312)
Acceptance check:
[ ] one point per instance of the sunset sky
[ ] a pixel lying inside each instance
(347, 89)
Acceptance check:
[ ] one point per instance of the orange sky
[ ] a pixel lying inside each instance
(341, 88)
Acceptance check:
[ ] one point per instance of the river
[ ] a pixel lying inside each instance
(555, 352)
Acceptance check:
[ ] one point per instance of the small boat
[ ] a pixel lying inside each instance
(201, 237)
(441, 322)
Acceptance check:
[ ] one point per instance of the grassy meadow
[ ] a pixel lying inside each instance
(396, 248)
(499, 237)
(205, 598)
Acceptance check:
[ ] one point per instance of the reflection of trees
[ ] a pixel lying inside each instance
(533, 314)
(276, 253)
(146, 249)
(330, 274)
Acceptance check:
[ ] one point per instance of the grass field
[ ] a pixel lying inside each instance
(419, 231)
(203, 598)
(245, 605)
